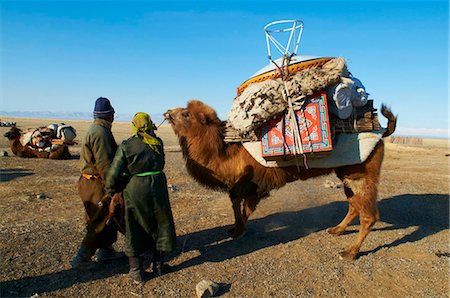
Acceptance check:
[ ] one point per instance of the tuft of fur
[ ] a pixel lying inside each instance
(229, 167)
(392, 120)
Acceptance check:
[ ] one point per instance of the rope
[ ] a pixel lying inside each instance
(298, 146)
(160, 123)
(307, 133)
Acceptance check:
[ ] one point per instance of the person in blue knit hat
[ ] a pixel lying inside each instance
(97, 152)
(103, 109)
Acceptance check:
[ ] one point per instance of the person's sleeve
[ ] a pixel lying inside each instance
(103, 153)
(163, 154)
(114, 176)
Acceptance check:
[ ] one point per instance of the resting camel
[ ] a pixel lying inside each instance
(14, 135)
(229, 167)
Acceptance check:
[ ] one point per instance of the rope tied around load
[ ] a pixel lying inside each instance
(298, 145)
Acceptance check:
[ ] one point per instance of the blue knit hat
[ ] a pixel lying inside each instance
(103, 108)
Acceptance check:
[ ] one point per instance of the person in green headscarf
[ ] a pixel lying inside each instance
(148, 215)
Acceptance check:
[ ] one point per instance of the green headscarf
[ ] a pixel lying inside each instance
(141, 125)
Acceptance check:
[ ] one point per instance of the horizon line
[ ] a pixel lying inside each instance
(435, 133)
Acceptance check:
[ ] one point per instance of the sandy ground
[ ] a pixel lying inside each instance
(286, 251)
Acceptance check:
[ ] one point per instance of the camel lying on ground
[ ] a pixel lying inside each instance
(229, 167)
(14, 135)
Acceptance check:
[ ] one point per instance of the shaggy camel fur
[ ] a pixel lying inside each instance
(18, 149)
(229, 167)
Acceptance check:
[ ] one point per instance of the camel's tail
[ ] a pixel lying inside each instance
(392, 120)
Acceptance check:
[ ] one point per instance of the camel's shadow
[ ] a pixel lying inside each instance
(429, 212)
(11, 174)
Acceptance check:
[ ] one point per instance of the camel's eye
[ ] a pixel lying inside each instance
(185, 114)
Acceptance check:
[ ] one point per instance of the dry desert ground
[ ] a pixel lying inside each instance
(286, 251)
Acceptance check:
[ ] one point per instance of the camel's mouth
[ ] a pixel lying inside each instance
(168, 117)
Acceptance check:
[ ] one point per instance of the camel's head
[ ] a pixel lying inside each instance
(193, 119)
(13, 134)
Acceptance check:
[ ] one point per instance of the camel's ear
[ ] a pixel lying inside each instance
(202, 118)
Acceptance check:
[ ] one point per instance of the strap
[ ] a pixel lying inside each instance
(143, 174)
(298, 146)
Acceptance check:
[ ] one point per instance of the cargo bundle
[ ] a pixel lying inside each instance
(298, 105)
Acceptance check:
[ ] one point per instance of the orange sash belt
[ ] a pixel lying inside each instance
(91, 177)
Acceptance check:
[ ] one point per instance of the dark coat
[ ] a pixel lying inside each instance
(148, 215)
(97, 149)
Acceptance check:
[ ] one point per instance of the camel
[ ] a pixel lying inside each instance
(14, 135)
(229, 167)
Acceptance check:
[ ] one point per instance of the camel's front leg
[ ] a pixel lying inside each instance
(239, 225)
(243, 189)
(250, 203)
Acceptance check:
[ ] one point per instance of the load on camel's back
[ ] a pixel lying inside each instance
(299, 117)
(44, 142)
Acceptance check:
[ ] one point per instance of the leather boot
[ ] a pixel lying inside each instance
(108, 254)
(158, 263)
(136, 273)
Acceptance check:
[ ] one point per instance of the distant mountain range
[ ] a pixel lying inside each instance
(69, 115)
(158, 118)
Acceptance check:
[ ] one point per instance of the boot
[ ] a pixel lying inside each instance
(83, 259)
(108, 254)
(158, 263)
(136, 273)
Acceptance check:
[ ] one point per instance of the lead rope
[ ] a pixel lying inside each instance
(161, 123)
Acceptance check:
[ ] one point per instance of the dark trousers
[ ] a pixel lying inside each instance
(99, 234)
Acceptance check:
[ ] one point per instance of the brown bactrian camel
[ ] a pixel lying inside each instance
(229, 167)
(14, 135)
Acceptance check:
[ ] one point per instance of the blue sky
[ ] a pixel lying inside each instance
(154, 55)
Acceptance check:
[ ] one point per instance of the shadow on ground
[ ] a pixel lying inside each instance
(11, 174)
(429, 212)
(29, 286)
(74, 156)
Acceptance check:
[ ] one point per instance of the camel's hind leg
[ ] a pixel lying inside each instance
(351, 215)
(364, 201)
(361, 183)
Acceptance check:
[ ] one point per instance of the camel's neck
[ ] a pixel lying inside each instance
(206, 147)
(204, 157)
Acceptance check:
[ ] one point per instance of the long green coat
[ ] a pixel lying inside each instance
(148, 216)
